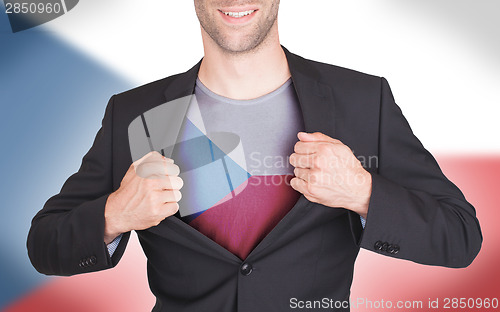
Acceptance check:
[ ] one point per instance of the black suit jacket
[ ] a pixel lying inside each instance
(415, 212)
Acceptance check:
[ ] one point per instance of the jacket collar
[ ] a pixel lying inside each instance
(315, 97)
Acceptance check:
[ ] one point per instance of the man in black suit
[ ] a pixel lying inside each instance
(307, 252)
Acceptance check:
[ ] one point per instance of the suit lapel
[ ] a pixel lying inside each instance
(183, 84)
(315, 98)
(318, 111)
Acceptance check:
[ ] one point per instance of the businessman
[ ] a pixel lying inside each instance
(265, 242)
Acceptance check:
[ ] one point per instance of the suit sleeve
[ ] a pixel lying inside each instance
(67, 236)
(415, 212)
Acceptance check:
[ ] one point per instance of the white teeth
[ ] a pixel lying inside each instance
(239, 14)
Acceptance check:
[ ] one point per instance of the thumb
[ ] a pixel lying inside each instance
(151, 154)
(316, 137)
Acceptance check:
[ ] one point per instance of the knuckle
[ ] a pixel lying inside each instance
(172, 208)
(328, 149)
(176, 169)
(155, 156)
(143, 166)
(142, 170)
(323, 148)
(296, 147)
(181, 182)
(172, 169)
(345, 149)
(177, 195)
(132, 169)
(168, 160)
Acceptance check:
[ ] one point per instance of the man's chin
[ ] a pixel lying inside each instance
(239, 46)
(238, 50)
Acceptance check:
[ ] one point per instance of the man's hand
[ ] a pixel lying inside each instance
(148, 193)
(327, 172)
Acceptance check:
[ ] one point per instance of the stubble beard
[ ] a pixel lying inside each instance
(247, 44)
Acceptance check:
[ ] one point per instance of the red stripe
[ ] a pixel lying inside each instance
(241, 223)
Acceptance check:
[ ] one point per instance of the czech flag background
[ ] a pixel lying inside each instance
(440, 57)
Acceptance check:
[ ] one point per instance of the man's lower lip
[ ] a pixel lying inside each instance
(237, 20)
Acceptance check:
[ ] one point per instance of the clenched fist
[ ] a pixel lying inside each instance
(327, 172)
(148, 193)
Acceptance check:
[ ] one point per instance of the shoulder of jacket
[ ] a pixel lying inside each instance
(151, 89)
(338, 74)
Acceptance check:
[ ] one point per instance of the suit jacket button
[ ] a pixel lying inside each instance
(246, 269)
(390, 249)
(378, 245)
(384, 246)
(396, 249)
(93, 260)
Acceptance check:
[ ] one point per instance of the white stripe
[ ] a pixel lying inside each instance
(64, 6)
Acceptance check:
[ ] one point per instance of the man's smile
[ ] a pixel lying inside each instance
(237, 15)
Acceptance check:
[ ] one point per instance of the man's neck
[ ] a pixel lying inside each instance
(244, 76)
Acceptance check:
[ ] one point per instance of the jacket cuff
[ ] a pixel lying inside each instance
(87, 231)
(384, 201)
